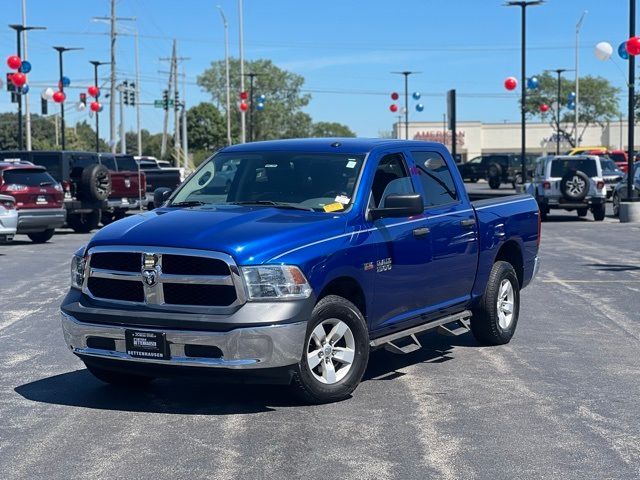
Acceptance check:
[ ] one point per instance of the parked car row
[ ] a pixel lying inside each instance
(497, 169)
(43, 191)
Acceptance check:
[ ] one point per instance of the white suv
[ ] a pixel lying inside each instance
(570, 183)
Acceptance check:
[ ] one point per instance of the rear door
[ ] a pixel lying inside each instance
(453, 233)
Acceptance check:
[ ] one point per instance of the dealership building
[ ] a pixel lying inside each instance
(478, 138)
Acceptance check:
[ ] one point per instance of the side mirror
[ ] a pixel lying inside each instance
(160, 195)
(399, 205)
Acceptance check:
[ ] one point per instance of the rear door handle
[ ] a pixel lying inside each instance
(421, 232)
(469, 222)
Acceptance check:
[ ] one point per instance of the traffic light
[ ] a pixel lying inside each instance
(165, 99)
(44, 106)
(125, 92)
(83, 98)
(177, 99)
(10, 86)
(132, 94)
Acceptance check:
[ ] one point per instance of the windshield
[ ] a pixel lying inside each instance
(31, 177)
(322, 182)
(109, 162)
(560, 166)
(609, 166)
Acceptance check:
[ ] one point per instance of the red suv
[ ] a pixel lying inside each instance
(39, 199)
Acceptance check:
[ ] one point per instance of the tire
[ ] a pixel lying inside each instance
(575, 186)
(95, 183)
(582, 212)
(84, 222)
(494, 170)
(616, 205)
(316, 384)
(598, 213)
(117, 378)
(107, 218)
(490, 324)
(473, 180)
(41, 237)
(494, 182)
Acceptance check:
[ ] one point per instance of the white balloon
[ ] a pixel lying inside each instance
(47, 93)
(603, 51)
(80, 106)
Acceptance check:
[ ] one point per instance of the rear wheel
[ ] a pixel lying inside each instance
(598, 213)
(616, 205)
(117, 378)
(494, 320)
(494, 182)
(84, 222)
(582, 212)
(41, 237)
(336, 352)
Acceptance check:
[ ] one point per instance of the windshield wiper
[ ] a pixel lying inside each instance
(190, 203)
(271, 203)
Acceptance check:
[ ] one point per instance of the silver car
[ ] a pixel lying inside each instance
(620, 190)
(8, 218)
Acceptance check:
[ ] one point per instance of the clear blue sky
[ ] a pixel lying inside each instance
(344, 49)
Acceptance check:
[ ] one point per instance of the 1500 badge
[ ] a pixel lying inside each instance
(383, 265)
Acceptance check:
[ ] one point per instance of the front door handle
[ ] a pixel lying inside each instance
(469, 222)
(421, 232)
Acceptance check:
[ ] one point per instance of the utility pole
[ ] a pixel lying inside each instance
(226, 62)
(251, 76)
(96, 64)
(185, 141)
(165, 123)
(523, 4)
(25, 56)
(122, 90)
(173, 92)
(60, 51)
(406, 74)
(559, 72)
(112, 97)
(243, 120)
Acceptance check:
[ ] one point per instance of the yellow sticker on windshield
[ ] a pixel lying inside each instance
(333, 207)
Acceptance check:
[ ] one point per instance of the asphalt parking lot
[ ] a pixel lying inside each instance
(560, 401)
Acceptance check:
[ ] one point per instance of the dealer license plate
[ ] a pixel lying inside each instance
(41, 199)
(143, 344)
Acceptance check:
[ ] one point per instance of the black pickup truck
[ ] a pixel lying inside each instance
(158, 175)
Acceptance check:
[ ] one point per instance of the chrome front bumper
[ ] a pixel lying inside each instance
(243, 348)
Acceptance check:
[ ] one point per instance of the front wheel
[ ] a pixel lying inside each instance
(336, 352)
(84, 222)
(598, 213)
(41, 237)
(494, 320)
(616, 205)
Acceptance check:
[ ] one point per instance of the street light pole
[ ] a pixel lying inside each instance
(559, 72)
(523, 4)
(576, 140)
(96, 64)
(632, 101)
(60, 51)
(243, 118)
(251, 76)
(406, 74)
(226, 63)
(19, 29)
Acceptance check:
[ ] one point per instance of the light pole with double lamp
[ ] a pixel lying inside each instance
(523, 4)
(406, 74)
(60, 51)
(96, 64)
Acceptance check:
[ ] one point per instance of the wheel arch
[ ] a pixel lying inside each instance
(511, 252)
(348, 288)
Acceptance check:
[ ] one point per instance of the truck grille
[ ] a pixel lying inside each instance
(164, 278)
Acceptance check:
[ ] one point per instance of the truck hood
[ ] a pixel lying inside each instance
(252, 235)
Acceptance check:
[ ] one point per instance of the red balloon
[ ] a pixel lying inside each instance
(544, 108)
(59, 97)
(18, 79)
(14, 62)
(244, 106)
(633, 46)
(395, 96)
(393, 107)
(93, 91)
(510, 83)
(244, 95)
(95, 106)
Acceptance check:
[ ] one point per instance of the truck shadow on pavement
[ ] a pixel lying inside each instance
(200, 397)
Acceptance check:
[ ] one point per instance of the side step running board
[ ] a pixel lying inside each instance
(409, 341)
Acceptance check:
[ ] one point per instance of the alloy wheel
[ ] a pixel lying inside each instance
(330, 351)
(505, 304)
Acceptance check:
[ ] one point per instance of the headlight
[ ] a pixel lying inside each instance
(275, 282)
(77, 271)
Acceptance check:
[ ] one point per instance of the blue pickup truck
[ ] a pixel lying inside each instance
(290, 261)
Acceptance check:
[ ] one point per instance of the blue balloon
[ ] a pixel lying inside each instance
(26, 67)
(419, 107)
(572, 96)
(571, 105)
(25, 88)
(66, 82)
(260, 106)
(262, 98)
(622, 51)
(532, 83)
(416, 96)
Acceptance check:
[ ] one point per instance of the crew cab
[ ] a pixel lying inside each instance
(159, 173)
(85, 182)
(38, 198)
(128, 186)
(317, 253)
(570, 182)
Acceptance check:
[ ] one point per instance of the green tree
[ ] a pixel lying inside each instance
(206, 128)
(282, 116)
(331, 129)
(598, 103)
